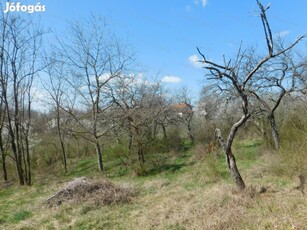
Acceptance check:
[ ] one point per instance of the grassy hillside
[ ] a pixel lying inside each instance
(189, 190)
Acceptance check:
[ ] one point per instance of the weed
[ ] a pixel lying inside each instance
(85, 209)
(21, 215)
(2, 220)
(84, 167)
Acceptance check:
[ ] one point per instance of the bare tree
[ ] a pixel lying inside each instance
(58, 90)
(2, 102)
(277, 78)
(139, 106)
(185, 111)
(235, 74)
(95, 57)
(20, 43)
(3, 136)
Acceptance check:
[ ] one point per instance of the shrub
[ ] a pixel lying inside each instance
(174, 139)
(291, 158)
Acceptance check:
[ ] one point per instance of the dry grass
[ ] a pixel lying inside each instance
(171, 206)
(221, 207)
(196, 196)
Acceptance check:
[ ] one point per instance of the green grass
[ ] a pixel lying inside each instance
(84, 167)
(247, 153)
(178, 191)
(20, 215)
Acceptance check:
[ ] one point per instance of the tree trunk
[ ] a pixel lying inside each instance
(18, 161)
(191, 135)
(164, 132)
(234, 172)
(60, 135)
(275, 133)
(130, 139)
(231, 161)
(140, 154)
(64, 155)
(4, 171)
(17, 158)
(20, 172)
(24, 160)
(139, 146)
(28, 163)
(99, 156)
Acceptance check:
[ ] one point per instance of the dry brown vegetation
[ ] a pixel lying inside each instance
(221, 207)
(199, 195)
(83, 190)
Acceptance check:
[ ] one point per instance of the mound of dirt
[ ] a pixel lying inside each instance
(82, 190)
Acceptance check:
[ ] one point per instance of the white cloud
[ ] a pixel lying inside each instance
(138, 79)
(194, 60)
(104, 77)
(40, 99)
(282, 34)
(171, 79)
(202, 2)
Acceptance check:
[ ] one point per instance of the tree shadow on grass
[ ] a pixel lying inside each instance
(251, 144)
(166, 168)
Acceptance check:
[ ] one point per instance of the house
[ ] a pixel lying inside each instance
(182, 109)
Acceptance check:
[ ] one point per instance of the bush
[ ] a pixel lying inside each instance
(174, 139)
(201, 151)
(157, 146)
(291, 158)
(204, 132)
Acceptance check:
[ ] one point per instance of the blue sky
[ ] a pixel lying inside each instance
(165, 33)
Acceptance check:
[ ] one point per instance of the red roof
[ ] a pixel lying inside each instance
(181, 106)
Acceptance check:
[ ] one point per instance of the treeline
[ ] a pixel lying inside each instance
(92, 94)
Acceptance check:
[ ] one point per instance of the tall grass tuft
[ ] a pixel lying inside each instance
(291, 159)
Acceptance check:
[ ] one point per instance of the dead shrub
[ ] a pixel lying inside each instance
(82, 190)
(202, 151)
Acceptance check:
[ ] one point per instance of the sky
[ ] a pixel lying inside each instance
(164, 34)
